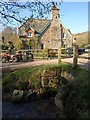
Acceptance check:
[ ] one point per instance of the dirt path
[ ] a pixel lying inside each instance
(84, 63)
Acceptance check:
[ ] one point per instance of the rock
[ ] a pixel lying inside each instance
(56, 77)
(49, 73)
(63, 81)
(58, 73)
(58, 103)
(53, 82)
(17, 95)
(67, 75)
(31, 95)
(50, 78)
(61, 96)
(28, 96)
(61, 92)
(45, 81)
(63, 89)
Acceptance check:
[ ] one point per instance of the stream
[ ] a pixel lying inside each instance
(43, 108)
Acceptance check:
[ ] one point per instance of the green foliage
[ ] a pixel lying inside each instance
(8, 78)
(21, 44)
(33, 42)
(8, 81)
(18, 45)
(83, 45)
(82, 39)
(46, 91)
(66, 66)
(63, 51)
(77, 102)
(82, 84)
(4, 47)
(38, 84)
(20, 78)
(22, 85)
(44, 51)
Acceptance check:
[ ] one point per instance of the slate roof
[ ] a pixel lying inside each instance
(39, 25)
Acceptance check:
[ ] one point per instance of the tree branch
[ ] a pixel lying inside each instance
(12, 11)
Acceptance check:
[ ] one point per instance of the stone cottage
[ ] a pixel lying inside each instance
(50, 33)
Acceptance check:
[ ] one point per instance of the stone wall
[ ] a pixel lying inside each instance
(57, 77)
(45, 39)
(68, 38)
(51, 78)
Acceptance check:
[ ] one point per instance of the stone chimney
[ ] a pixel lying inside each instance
(55, 27)
(54, 12)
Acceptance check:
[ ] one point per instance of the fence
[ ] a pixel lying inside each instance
(53, 53)
(48, 53)
(38, 54)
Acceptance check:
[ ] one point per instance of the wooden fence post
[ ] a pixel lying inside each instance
(75, 55)
(59, 54)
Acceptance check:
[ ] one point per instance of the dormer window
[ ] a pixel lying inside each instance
(29, 34)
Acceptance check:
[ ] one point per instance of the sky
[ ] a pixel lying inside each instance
(74, 15)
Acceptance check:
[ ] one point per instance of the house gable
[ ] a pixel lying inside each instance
(67, 39)
(29, 33)
(51, 33)
(38, 25)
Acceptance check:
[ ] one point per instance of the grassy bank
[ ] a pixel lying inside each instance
(30, 78)
(27, 78)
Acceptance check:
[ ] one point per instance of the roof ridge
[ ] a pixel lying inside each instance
(65, 28)
(45, 27)
(39, 19)
(34, 19)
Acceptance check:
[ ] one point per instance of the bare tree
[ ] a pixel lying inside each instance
(11, 10)
(8, 34)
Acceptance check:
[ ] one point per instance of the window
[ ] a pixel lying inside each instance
(63, 35)
(29, 34)
(58, 15)
(29, 47)
(42, 46)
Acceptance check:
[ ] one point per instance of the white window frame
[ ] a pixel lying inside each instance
(29, 34)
